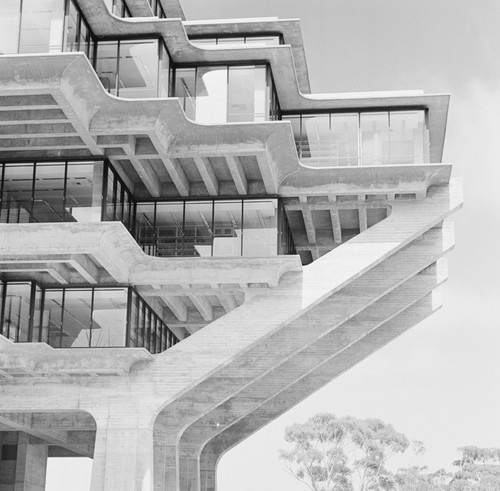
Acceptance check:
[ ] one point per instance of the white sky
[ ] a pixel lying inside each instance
(439, 382)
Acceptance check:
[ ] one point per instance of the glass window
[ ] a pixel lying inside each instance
(260, 234)
(107, 65)
(41, 26)
(110, 196)
(138, 69)
(344, 130)
(10, 15)
(17, 193)
(185, 89)
(109, 317)
(17, 311)
(77, 318)
(408, 137)
(317, 141)
(84, 191)
(227, 228)
(134, 319)
(72, 34)
(211, 94)
(145, 228)
(295, 121)
(375, 138)
(169, 229)
(40, 321)
(247, 90)
(198, 229)
(263, 40)
(48, 203)
(52, 316)
(164, 75)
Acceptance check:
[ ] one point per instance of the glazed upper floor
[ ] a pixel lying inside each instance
(218, 84)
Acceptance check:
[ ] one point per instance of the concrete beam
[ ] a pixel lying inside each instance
(208, 175)
(203, 305)
(176, 305)
(309, 225)
(238, 174)
(337, 231)
(177, 175)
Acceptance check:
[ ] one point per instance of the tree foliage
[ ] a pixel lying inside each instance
(329, 453)
(345, 454)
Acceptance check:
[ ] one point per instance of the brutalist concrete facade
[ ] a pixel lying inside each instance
(217, 251)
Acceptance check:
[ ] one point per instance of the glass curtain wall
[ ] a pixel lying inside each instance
(133, 68)
(81, 317)
(251, 227)
(225, 94)
(51, 191)
(366, 138)
(237, 41)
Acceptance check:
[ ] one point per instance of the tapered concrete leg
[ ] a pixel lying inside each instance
(208, 471)
(123, 459)
(23, 466)
(189, 469)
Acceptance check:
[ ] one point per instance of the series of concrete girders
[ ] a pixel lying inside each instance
(303, 373)
(184, 387)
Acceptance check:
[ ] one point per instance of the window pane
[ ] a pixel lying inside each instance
(317, 143)
(169, 231)
(145, 228)
(72, 28)
(77, 318)
(110, 196)
(52, 315)
(260, 233)
(84, 191)
(408, 137)
(185, 89)
(134, 313)
(17, 190)
(263, 40)
(227, 228)
(344, 139)
(17, 309)
(106, 64)
(247, 94)
(109, 317)
(40, 324)
(138, 70)
(10, 13)
(48, 203)
(198, 229)
(164, 71)
(211, 95)
(375, 138)
(42, 26)
(295, 121)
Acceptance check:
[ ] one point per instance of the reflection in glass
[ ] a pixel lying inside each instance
(227, 228)
(185, 90)
(41, 26)
(169, 234)
(366, 138)
(408, 137)
(84, 191)
(211, 94)
(198, 229)
(48, 202)
(375, 138)
(138, 69)
(109, 316)
(17, 193)
(16, 318)
(10, 14)
(260, 235)
(77, 317)
(247, 96)
(236, 42)
(107, 65)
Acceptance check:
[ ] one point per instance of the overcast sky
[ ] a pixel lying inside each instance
(439, 382)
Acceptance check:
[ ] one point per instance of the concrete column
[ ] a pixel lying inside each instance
(208, 468)
(123, 458)
(189, 469)
(24, 466)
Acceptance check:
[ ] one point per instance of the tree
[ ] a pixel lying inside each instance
(342, 454)
(477, 470)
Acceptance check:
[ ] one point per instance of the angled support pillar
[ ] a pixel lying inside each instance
(123, 455)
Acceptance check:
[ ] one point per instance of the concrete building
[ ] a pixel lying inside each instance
(218, 241)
